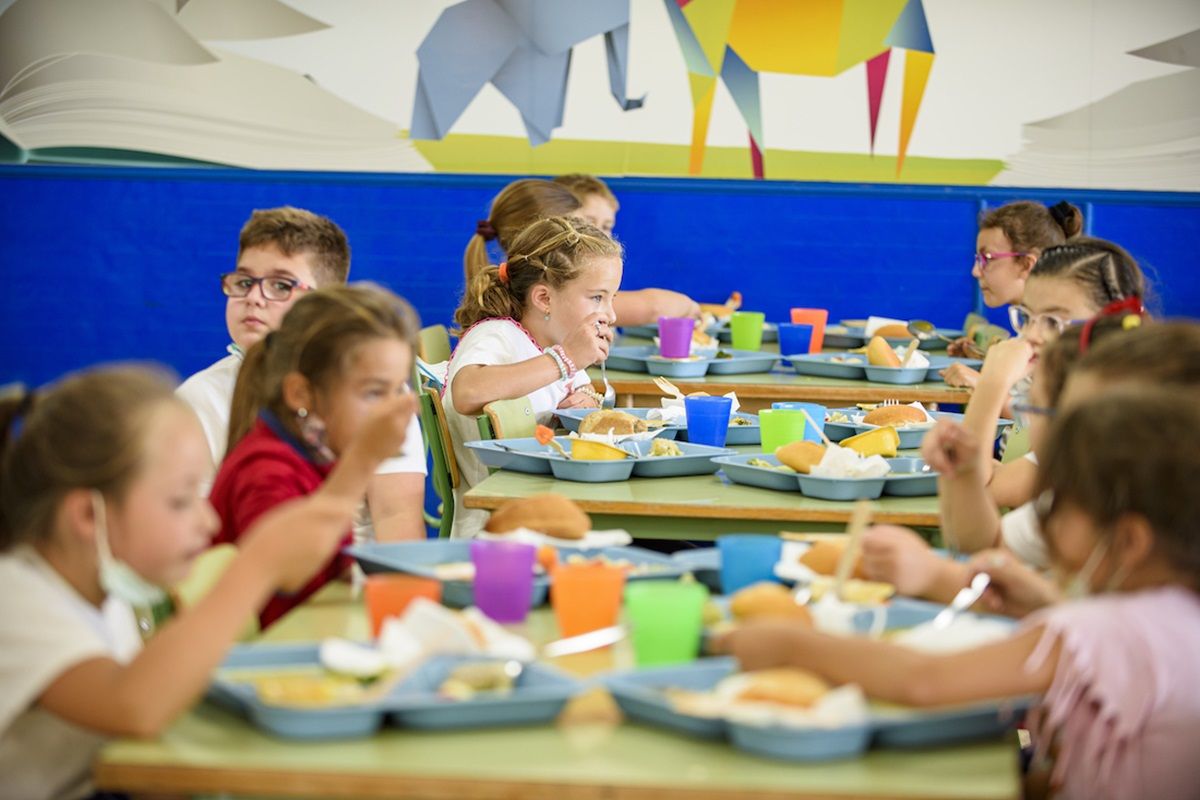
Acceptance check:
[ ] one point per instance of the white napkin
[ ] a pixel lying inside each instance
(842, 462)
(875, 323)
(675, 402)
(674, 414)
(428, 629)
(917, 361)
(591, 541)
(616, 438)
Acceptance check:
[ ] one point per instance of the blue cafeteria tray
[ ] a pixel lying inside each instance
(640, 694)
(697, 459)
(827, 365)
(910, 478)
(738, 471)
(840, 488)
(516, 455)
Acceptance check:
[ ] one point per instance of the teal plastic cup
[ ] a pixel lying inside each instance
(746, 329)
(665, 619)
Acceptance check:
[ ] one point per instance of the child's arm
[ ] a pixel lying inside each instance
(1007, 362)
(970, 519)
(476, 385)
(396, 502)
(281, 551)
(893, 673)
(645, 306)
(1013, 483)
(900, 557)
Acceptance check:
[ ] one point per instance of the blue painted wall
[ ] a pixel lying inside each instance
(112, 263)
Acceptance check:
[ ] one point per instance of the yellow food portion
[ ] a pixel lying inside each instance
(316, 689)
(596, 451)
(664, 447)
(767, 600)
(801, 456)
(468, 680)
(881, 354)
(879, 442)
(864, 593)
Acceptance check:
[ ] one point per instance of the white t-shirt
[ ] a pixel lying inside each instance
(46, 628)
(210, 394)
(493, 342)
(1021, 533)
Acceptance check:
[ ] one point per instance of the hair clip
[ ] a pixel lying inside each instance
(1131, 306)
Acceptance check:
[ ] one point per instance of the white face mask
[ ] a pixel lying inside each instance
(1079, 585)
(116, 577)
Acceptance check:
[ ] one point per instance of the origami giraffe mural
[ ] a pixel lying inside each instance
(735, 40)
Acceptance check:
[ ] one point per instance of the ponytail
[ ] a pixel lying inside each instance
(249, 393)
(517, 206)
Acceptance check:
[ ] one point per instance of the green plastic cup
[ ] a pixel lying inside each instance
(665, 618)
(781, 426)
(746, 329)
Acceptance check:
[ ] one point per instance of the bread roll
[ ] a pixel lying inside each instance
(823, 555)
(612, 421)
(551, 514)
(881, 354)
(767, 601)
(801, 456)
(894, 415)
(785, 686)
(894, 331)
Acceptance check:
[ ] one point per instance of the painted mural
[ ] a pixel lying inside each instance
(1075, 93)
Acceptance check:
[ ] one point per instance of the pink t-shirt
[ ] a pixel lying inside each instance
(1124, 704)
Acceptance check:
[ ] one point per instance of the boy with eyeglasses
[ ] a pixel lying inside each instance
(283, 253)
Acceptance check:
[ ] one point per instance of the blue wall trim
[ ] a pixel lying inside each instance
(117, 263)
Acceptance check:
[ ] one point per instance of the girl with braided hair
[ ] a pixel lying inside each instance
(530, 327)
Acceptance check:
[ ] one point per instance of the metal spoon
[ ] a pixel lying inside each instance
(926, 331)
(610, 394)
(582, 643)
(966, 597)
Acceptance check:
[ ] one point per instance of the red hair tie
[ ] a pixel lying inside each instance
(504, 272)
(1131, 305)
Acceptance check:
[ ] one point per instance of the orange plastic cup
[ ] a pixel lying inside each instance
(817, 317)
(586, 597)
(388, 596)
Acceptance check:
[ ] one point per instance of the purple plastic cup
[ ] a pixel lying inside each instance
(503, 579)
(675, 336)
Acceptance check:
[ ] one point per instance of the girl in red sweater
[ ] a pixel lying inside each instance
(302, 394)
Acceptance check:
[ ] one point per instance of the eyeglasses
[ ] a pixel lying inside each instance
(1025, 412)
(239, 284)
(982, 260)
(1048, 325)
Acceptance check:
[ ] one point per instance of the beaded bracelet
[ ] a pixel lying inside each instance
(558, 362)
(567, 363)
(592, 393)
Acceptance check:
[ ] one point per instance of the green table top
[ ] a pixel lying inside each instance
(210, 750)
(699, 506)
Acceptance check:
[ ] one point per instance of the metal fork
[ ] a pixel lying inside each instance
(890, 402)
(610, 394)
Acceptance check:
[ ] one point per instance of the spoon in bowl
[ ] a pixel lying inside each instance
(926, 331)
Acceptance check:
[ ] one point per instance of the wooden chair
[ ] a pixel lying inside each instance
(433, 344)
(507, 419)
(444, 473)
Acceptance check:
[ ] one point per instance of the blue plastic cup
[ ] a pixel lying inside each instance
(817, 412)
(794, 339)
(708, 419)
(747, 559)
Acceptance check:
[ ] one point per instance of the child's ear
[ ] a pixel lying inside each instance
(539, 298)
(76, 515)
(1134, 540)
(297, 393)
(1028, 262)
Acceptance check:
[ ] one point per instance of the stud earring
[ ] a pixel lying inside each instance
(302, 413)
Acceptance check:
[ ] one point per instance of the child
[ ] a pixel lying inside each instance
(522, 203)
(1069, 283)
(99, 503)
(1116, 664)
(282, 253)
(301, 397)
(530, 328)
(1120, 349)
(599, 205)
(1010, 240)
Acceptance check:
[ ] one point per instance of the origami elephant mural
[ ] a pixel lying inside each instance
(522, 47)
(735, 40)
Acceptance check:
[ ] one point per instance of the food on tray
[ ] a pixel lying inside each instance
(700, 336)
(823, 555)
(724, 354)
(664, 447)
(586, 450)
(963, 633)
(801, 456)
(724, 310)
(551, 514)
(767, 600)
(612, 421)
(844, 462)
(630, 568)
(894, 331)
(879, 442)
(314, 688)
(860, 592)
(845, 360)
(785, 686)
(898, 416)
(764, 464)
(741, 421)
(467, 681)
(881, 354)
(837, 416)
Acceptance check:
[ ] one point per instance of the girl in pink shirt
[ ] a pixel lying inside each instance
(1117, 662)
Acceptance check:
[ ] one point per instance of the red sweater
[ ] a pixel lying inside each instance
(262, 471)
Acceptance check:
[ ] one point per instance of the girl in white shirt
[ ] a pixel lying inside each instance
(530, 328)
(100, 504)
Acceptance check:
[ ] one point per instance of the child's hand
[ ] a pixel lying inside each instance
(950, 449)
(295, 539)
(382, 433)
(1015, 590)
(1008, 361)
(960, 375)
(899, 556)
(588, 344)
(962, 347)
(763, 644)
(578, 399)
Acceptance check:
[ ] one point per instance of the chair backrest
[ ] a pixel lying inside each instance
(445, 476)
(510, 419)
(433, 344)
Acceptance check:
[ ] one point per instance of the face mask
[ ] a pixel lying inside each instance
(1079, 585)
(116, 577)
